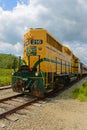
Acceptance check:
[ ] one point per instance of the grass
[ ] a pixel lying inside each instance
(5, 77)
(80, 92)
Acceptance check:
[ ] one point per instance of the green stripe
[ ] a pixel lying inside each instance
(49, 60)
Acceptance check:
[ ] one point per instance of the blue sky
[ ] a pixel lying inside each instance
(10, 4)
(65, 19)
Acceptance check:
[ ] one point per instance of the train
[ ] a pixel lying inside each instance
(46, 65)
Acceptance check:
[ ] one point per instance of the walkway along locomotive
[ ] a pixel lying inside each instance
(48, 64)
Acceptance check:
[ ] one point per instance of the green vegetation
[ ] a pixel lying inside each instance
(5, 76)
(7, 61)
(6, 65)
(81, 92)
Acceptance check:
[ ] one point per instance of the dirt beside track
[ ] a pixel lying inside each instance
(57, 113)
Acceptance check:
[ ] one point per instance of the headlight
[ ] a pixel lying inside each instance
(36, 74)
(12, 73)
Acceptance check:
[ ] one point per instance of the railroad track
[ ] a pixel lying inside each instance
(4, 88)
(14, 103)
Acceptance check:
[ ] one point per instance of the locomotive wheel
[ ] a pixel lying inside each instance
(58, 85)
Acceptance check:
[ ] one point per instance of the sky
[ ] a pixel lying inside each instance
(66, 20)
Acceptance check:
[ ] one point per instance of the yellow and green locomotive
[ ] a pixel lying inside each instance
(48, 64)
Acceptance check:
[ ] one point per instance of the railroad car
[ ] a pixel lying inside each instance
(48, 64)
(83, 69)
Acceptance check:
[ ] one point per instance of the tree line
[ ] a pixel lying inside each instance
(7, 61)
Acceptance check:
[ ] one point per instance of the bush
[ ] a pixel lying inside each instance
(81, 92)
(85, 84)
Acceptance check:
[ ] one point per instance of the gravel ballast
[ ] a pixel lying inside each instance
(57, 113)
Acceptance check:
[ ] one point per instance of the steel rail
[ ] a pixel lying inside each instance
(8, 98)
(4, 114)
(27, 103)
(4, 88)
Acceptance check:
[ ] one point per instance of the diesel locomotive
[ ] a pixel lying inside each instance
(48, 65)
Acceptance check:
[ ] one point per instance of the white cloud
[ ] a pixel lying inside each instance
(66, 20)
(15, 49)
(83, 4)
(79, 49)
(5, 46)
(18, 47)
